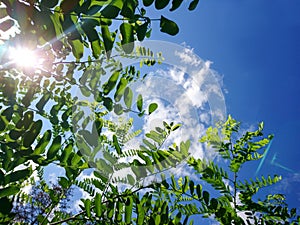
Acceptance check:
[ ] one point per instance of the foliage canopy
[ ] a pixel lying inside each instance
(42, 122)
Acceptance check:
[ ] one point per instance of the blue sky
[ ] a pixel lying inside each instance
(255, 46)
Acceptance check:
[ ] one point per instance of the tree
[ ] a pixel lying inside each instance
(43, 122)
(38, 122)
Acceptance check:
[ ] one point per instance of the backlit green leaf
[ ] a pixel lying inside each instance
(152, 107)
(128, 210)
(127, 41)
(55, 147)
(43, 142)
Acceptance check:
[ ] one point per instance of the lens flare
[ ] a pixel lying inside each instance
(24, 57)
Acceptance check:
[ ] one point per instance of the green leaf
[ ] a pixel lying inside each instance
(175, 4)
(139, 102)
(128, 95)
(2, 124)
(44, 99)
(147, 2)
(98, 205)
(120, 89)
(30, 136)
(49, 3)
(77, 48)
(140, 214)
(213, 204)
(111, 83)
(108, 103)
(177, 218)
(168, 26)
(129, 8)
(112, 10)
(55, 147)
(6, 205)
(66, 153)
(87, 206)
(127, 41)
(107, 40)
(192, 187)
(160, 4)
(193, 4)
(199, 190)
(130, 179)
(64, 182)
(206, 197)
(142, 30)
(152, 107)
(118, 109)
(96, 48)
(128, 210)
(116, 145)
(8, 191)
(18, 175)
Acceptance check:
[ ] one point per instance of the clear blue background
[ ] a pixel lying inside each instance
(255, 46)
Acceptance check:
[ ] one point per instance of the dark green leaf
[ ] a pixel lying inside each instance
(44, 99)
(168, 26)
(108, 103)
(206, 197)
(147, 2)
(18, 175)
(175, 4)
(160, 4)
(8, 191)
(193, 4)
(112, 10)
(6, 205)
(30, 136)
(139, 102)
(141, 31)
(49, 3)
(129, 8)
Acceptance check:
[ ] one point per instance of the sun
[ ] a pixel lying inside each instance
(24, 57)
